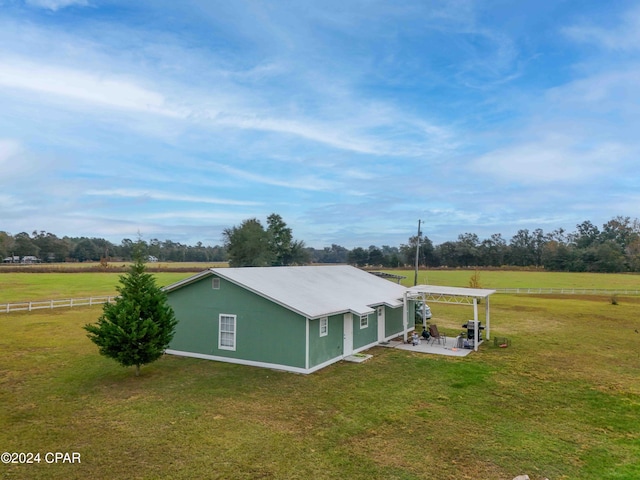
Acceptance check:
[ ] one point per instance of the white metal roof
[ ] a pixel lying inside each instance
(313, 291)
(456, 291)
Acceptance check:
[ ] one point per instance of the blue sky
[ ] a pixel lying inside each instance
(351, 119)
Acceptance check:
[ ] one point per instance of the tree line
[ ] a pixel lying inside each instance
(614, 247)
(49, 248)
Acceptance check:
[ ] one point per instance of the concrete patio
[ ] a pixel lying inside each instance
(448, 347)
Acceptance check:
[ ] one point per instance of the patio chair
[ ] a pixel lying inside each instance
(436, 336)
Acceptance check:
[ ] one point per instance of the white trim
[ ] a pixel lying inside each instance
(367, 347)
(381, 322)
(326, 322)
(235, 332)
(306, 343)
(251, 363)
(347, 335)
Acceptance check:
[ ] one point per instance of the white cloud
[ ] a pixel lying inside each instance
(550, 160)
(308, 182)
(106, 90)
(623, 37)
(8, 150)
(174, 197)
(54, 5)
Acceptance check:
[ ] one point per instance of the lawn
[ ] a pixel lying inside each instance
(522, 279)
(563, 402)
(21, 286)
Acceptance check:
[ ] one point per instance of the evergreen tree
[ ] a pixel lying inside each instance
(137, 328)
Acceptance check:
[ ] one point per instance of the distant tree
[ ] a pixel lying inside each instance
(467, 249)
(280, 238)
(299, 255)
(51, 248)
(358, 256)
(333, 254)
(606, 257)
(376, 257)
(447, 253)
(492, 251)
(87, 249)
(6, 244)
(126, 248)
(521, 248)
(23, 245)
(137, 328)
(586, 235)
(248, 245)
(426, 254)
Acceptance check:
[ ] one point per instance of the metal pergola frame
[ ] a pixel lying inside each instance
(452, 295)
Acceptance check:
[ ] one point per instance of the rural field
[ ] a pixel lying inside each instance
(562, 401)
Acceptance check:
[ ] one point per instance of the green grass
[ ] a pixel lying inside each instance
(522, 279)
(19, 287)
(562, 402)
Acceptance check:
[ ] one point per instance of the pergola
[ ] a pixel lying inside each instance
(456, 295)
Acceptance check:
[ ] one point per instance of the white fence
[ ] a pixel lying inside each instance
(84, 302)
(50, 304)
(568, 291)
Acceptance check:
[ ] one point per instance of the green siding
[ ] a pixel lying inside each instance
(365, 336)
(393, 321)
(323, 349)
(265, 331)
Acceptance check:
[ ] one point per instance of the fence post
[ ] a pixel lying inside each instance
(51, 304)
(71, 303)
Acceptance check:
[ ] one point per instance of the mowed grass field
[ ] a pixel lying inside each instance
(24, 286)
(563, 402)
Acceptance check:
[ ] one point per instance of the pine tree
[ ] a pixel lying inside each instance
(137, 328)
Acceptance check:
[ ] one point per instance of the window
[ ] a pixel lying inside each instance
(380, 310)
(227, 332)
(324, 326)
(215, 283)
(364, 321)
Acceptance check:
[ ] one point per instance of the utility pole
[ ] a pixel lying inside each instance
(415, 279)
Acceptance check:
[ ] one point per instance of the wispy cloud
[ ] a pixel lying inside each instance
(550, 160)
(354, 118)
(156, 195)
(105, 90)
(622, 37)
(54, 5)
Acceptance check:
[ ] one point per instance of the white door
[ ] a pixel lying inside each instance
(381, 324)
(347, 346)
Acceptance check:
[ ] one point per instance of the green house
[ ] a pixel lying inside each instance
(298, 319)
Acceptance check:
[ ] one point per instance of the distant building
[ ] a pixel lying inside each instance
(30, 259)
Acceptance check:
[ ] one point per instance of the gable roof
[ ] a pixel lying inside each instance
(312, 291)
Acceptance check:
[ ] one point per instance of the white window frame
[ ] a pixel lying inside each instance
(366, 321)
(215, 283)
(324, 326)
(227, 331)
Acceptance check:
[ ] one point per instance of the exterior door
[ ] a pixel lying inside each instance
(381, 325)
(347, 346)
